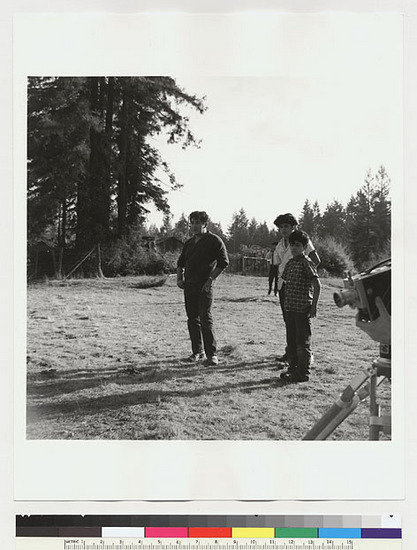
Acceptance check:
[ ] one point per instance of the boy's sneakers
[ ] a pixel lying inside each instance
(194, 357)
(211, 361)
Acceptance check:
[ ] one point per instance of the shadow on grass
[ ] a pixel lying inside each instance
(244, 299)
(46, 384)
(53, 382)
(92, 405)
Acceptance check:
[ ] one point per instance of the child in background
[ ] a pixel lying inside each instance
(273, 269)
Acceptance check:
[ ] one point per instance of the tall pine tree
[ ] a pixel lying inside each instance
(92, 167)
(238, 233)
(306, 219)
(333, 222)
(368, 219)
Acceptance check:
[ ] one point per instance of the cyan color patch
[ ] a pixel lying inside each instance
(340, 533)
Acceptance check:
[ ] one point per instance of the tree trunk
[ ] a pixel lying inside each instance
(122, 184)
(107, 158)
(62, 230)
(83, 214)
(95, 164)
(99, 270)
(62, 242)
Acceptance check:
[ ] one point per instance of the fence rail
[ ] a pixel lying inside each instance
(254, 265)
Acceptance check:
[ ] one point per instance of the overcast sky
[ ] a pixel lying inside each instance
(310, 132)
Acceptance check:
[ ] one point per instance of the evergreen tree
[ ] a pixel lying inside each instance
(333, 222)
(368, 219)
(166, 228)
(263, 236)
(181, 228)
(358, 222)
(274, 236)
(252, 229)
(306, 219)
(92, 168)
(216, 228)
(59, 122)
(382, 211)
(317, 218)
(238, 231)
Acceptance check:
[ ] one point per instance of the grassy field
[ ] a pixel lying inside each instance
(105, 360)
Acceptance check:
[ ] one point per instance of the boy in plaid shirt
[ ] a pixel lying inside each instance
(302, 291)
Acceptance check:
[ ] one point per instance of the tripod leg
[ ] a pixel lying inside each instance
(373, 410)
(337, 413)
(342, 407)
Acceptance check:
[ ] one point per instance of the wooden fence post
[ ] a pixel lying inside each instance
(99, 270)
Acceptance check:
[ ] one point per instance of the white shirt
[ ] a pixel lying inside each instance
(275, 257)
(283, 254)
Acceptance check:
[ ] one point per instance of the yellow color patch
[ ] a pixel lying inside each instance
(253, 532)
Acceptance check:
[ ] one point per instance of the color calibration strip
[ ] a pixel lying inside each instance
(213, 527)
(250, 533)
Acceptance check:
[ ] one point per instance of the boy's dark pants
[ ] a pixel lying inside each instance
(200, 320)
(273, 278)
(298, 349)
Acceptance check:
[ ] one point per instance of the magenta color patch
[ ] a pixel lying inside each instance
(166, 532)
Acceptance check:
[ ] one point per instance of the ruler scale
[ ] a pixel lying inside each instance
(177, 544)
(202, 533)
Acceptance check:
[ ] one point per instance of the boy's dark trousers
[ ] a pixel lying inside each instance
(199, 319)
(273, 278)
(299, 353)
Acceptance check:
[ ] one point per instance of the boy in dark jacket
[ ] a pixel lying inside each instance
(202, 259)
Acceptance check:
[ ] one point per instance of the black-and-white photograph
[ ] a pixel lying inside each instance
(188, 251)
(208, 230)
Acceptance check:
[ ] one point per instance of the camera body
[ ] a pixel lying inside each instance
(361, 290)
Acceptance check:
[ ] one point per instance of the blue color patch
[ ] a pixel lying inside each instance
(341, 533)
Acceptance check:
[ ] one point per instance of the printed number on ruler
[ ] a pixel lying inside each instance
(233, 544)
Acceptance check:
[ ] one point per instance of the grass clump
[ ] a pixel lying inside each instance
(145, 281)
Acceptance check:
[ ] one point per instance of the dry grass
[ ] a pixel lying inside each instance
(105, 361)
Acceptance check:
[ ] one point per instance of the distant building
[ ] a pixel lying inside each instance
(169, 244)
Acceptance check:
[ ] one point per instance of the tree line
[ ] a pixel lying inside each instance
(362, 228)
(242, 232)
(93, 170)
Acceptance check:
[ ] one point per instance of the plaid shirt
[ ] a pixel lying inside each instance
(283, 254)
(298, 276)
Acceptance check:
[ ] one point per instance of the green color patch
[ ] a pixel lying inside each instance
(296, 533)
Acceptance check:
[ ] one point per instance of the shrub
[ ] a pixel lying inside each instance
(235, 263)
(150, 282)
(335, 259)
(375, 258)
(170, 262)
(130, 257)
